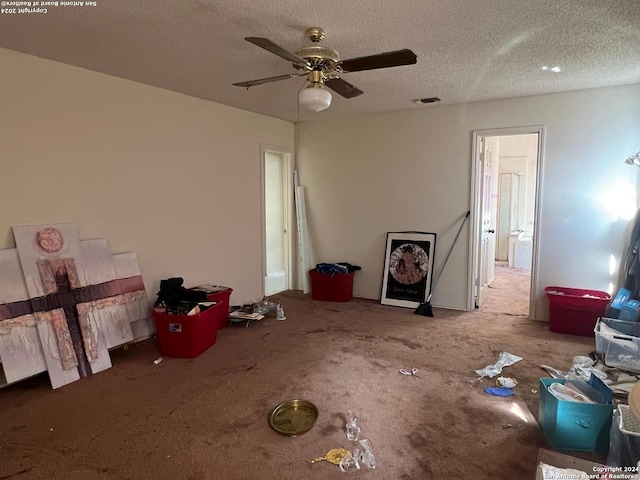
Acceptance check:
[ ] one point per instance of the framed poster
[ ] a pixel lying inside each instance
(408, 266)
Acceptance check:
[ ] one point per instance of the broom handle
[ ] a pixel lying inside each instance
(435, 282)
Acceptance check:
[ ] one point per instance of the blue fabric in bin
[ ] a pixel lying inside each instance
(572, 425)
(331, 269)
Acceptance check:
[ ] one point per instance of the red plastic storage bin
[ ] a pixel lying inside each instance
(575, 311)
(222, 296)
(333, 288)
(187, 336)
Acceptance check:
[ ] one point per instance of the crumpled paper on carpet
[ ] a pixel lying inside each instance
(549, 472)
(504, 360)
(619, 381)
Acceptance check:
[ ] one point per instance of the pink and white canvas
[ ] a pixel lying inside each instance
(142, 324)
(64, 303)
(20, 349)
(111, 312)
(55, 272)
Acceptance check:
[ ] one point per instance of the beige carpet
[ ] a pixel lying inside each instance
(206, 418)
(509, 292)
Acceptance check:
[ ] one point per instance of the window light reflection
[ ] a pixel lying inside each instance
(620, 201)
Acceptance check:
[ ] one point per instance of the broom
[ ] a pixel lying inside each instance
(425, 308)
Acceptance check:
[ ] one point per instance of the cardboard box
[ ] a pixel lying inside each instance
(562, 460)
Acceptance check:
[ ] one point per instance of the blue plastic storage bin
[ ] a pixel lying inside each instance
(619, 341)
(630, 311)
(572, 425)
(614, 308)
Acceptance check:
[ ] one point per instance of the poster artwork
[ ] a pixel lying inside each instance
(408, 269)
(408, 265)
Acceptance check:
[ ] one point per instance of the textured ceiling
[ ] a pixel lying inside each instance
(468, 50)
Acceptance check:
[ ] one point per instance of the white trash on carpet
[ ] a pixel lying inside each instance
(504, 360)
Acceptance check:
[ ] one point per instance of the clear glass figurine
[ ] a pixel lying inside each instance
(353, 430)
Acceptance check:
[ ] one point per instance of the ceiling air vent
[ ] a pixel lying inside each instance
(426, 101)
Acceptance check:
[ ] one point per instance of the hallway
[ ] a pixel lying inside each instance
(509, 292)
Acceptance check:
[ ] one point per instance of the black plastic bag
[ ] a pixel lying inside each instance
(172, 294)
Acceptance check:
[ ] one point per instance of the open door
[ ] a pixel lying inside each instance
(276, 218)
(493, 154)
(487, 219)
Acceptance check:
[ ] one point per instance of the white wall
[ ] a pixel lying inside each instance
(411, 170)
(173, 178)
(177, 179)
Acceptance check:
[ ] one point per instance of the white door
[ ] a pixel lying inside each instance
(486, 271)
(276, 218)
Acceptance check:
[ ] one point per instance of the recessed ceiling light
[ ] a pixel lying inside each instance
(551, 69)
(556, 70)
(545, 68)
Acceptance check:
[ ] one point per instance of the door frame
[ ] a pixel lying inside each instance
(476, 203)
(288, 161)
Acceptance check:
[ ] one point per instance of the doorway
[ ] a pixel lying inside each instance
(277, 198)
(507, 169)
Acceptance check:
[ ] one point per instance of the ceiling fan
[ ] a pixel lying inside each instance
(322, 66)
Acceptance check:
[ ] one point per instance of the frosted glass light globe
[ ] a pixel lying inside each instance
(315, 98)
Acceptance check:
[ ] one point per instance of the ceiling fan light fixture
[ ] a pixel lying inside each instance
(323, 67)
(315, 97)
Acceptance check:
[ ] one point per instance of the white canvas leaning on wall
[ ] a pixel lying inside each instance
(53, 264)
(20, 352)
(64, 303)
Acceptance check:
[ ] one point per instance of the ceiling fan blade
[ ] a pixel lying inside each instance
(343, 88)
(278, 50)
(381, 60)
(260, 81)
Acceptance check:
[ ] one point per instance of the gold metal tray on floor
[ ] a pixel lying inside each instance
(293, 417)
